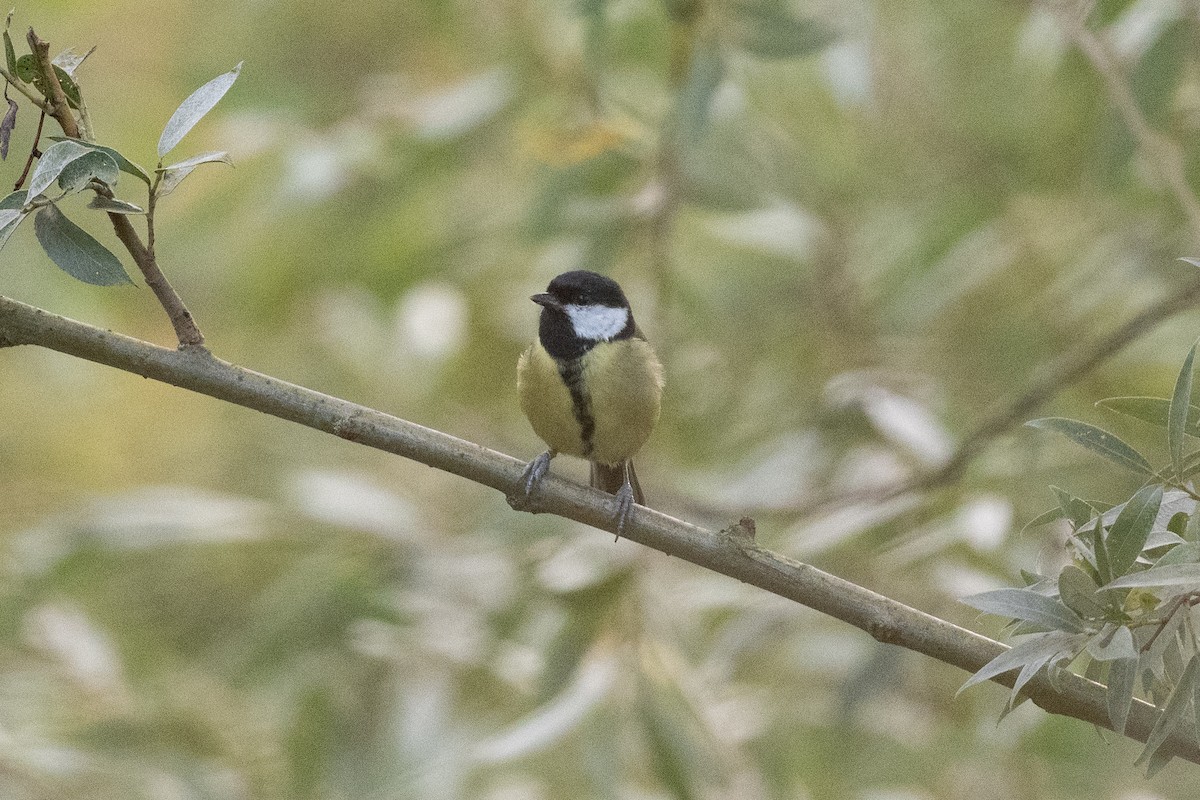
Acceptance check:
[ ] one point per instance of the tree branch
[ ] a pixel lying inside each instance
(186, 330)
(734, 555)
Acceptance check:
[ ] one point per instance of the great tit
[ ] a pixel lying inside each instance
(590, 384)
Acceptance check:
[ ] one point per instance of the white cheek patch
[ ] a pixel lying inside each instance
(597, 323)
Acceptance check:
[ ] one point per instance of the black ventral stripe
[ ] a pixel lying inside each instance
(581, 403)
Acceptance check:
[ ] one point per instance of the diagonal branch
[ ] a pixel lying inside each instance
(734, 555)
(186, 330)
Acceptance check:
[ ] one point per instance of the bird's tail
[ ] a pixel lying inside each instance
(610, 479)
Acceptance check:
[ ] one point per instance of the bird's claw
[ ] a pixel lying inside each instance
(535, 470)
(624, 507)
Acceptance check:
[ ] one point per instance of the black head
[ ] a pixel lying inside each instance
(580, 309)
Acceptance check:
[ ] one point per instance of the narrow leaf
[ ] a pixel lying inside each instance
(1128, 534)
(52, 163)
(1040, 649)
(1044, 518)
(74, 251)
(1178, 413)
(174, 174)
(94, 164)
(1173, 710)
(1023, 604)
(10, 55)
(1122, 677)
(215, 157)
(1170, 575)
(1097, 440)
(124, 163)
(191, 110)
(114, 206)
(1153, 410)
(1186, 553)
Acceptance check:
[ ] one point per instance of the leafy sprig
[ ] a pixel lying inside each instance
(1122, 610)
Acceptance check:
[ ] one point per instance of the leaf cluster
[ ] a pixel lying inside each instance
(71, 165)
(1122, 609)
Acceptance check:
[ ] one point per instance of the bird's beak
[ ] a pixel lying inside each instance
(546, 300)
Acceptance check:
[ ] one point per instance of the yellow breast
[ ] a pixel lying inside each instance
(622, 387)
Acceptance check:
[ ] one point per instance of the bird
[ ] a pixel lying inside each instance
(590, 385)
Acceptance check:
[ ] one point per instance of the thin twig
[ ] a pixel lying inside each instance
(186, 330)
(1048, 382)
(33, 151)
(737, 556)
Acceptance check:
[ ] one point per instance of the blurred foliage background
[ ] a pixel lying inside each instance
(852, 230)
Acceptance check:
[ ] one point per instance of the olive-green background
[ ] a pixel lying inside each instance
(846, 259)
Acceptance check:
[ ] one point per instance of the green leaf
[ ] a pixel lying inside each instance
(191, 110)
(1129, 533)
(1122, 677)
(1154, 410)
(114, 206)
(69, 87)
(10, 55)
(1097, 440)
(53, 161)
(94, 164)
(74, 251)
(124, 163)
(1169, 575)
(1178, 413)
(770, 31)
(1023, 604)
(174, 174)
(1173, 710)
(27, 68)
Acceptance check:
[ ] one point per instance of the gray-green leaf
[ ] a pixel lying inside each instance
(1170, 575)
(191, 110)
(1173, 710)
(114, 206)
(1077, 590)
(1023, 604)
(1122, 677)
(53, 161)
(124, 163)
(173, 175)
(74, 251)
(1177, 415)
(1097, 440)
(1128, 534)
(94, 164)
